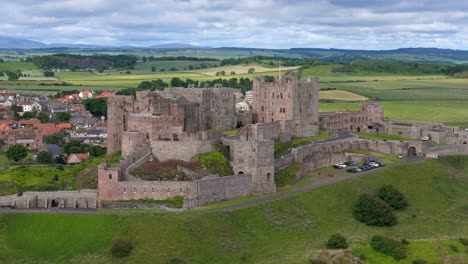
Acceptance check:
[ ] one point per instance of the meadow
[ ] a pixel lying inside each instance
(290, 230)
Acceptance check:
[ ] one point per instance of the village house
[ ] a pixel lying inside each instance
(76, 158)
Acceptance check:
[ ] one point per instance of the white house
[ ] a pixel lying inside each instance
(85, 94)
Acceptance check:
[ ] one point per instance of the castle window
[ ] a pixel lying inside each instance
(152, 189)
(124, 189)
(263, 108)
(310, 96)
(273, 96)
(134, 189)
(268, 176)
(281, 95)
(110, 176)
(144, 190)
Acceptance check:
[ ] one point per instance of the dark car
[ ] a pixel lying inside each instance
(351, 170)
(351, 163)
(363, 168)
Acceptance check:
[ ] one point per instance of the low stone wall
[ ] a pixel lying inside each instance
(123, 205)
(436, 152)
(222, 188)
(59, 199)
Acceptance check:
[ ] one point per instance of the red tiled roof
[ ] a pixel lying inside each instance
(80, 156)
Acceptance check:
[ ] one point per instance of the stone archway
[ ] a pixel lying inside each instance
(54, 203)
(358, 129)
(240, 173)
(412, 151)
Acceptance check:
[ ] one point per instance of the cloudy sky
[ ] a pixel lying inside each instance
(350, 24)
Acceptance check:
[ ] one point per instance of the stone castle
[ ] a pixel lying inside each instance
(179, 123)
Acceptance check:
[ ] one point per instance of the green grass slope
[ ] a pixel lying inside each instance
(285, 231)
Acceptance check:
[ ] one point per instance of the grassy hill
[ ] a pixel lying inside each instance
(291, 230)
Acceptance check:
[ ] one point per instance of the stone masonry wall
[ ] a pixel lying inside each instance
(59, 199)
(436, 152)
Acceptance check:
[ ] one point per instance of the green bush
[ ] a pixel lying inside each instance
(370, 210)
(44, 157)
(389, 247)
(337, 241)
(17, 152)
(454, 248)
(392, 196)
(405, 242)
(121, 248)
(419, 261)
(215, 162)
(464, 241)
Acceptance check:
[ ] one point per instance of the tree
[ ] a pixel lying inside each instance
(392, 196)
(29, 115)
(370, 210)
(96, 106)
(75, 149)
(251, 70)
(63, 117)
(49, 74)
(337, 241)
(72, 143)
(12, 76)
(43, 117)
(17, 152)
(177, 82)
(44, 157)
(57, 138)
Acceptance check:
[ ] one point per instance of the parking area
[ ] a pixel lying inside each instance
(352, 166)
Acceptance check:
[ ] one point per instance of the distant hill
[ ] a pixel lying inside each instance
(177, 46)
(15, 43)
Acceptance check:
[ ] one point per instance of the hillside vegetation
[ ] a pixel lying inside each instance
(291, 230)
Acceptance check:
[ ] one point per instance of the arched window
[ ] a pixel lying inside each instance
(110, 176)
(268, 176)
(263, 108)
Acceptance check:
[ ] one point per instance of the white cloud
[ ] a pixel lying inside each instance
(353, 24)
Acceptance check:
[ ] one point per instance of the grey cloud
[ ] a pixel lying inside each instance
(355, 24)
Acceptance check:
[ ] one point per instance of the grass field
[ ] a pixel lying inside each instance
(13, 66)
(132, 80)
(434, 111)
(243, 69)
(290, 230)
(340, 96)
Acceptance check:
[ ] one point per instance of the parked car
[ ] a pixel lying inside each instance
(425, 138)
(381, 164)
(400, 156)
(339, 166)
(350, 163)
(374, 164)
(363, 168)
(351, 170)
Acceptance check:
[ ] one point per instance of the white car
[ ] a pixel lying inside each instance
(374, 164)
(340, 166)
(425, 138)
(400, 156)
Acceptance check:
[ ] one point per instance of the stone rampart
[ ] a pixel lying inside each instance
(59, 199)
(436, 152)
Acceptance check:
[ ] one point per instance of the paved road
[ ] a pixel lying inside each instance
(312, 186)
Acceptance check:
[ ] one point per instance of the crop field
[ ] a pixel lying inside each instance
(340, 96)
(290, 230)
(13, 66)
(433, 111)
(132, 80)
(242, 69)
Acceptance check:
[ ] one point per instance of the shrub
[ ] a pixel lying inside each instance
(121, 248)
(44, 157)
(373, 211)
(464, 241)
(405, 242)
(317, 261)
(17, 152)
(388, 246)
(454, 248)
(419, 261)
(288, 175)
(392, 196)
(216, 162)
(178, 261)
(337, 241)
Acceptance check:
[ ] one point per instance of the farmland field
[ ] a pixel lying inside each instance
(434, 111)
(242, 69)
(340, 96)
(290, 230)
